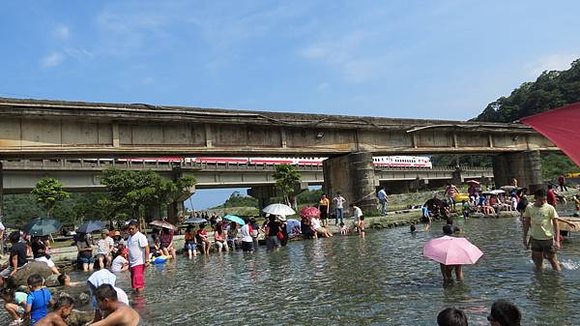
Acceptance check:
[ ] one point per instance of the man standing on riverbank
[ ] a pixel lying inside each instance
(338, 202)
(541, 220)
(383, 200)
(138, 256)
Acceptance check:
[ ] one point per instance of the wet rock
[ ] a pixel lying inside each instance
(80, 317)
(33, 267)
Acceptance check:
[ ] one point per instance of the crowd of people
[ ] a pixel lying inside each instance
(31, 301)
(128, 249)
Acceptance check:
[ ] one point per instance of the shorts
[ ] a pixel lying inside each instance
(545, 246)
(247, 246)
(138, 276)
(87, 260)
(190, 246)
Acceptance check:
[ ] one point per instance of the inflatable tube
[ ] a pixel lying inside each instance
(460, 197)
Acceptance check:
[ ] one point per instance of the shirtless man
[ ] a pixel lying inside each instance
(117, 313)
(62, 309)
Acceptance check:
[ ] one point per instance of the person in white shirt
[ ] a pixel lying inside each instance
(120, 263)
(356, 215)
(338, 202)
(247, 240)
(104, 249)
(138, 256)
(319, 229)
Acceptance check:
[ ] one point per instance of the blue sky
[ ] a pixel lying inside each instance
(409, 59)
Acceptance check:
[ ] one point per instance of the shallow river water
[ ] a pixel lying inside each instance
(379, 280)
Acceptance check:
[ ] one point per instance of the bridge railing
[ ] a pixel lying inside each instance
(101, 164)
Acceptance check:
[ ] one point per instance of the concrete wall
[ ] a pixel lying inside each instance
(354, 176)
(525, 167)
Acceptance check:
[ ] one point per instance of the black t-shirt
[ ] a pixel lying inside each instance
(273, 228)
(38, 249)
(19, 250)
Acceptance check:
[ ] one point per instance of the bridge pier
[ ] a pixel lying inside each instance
(262, 194)
(526, 167)
(354, 176)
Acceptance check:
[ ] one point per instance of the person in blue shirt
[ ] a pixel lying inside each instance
(383, 200)
(38, 299)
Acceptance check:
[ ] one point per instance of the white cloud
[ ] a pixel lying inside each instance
(551, 62)
(52, 60)
(62, 32)
(352, 55)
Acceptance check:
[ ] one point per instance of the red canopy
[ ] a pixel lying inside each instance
(561, 126)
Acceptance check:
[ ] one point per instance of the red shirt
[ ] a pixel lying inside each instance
(551, 197)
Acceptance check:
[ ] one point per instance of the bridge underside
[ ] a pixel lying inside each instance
(32, 128)
(48, 128)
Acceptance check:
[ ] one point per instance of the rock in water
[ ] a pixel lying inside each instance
(80, 318)
(33, 267)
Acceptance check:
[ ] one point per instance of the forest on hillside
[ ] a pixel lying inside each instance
(552, 89)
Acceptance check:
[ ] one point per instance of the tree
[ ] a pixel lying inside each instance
(287, 177)
(551, 89)
(132, 193)
(49, 193)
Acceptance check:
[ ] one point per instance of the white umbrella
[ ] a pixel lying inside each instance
(278, 209)
(493, 192)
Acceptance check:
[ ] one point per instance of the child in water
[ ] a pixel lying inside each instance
(14, 304)
(343, 229)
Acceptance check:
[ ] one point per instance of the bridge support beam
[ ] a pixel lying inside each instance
(524, 166)
(262, 194)
(354, 176)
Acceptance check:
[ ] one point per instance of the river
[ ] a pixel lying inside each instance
(346, 280)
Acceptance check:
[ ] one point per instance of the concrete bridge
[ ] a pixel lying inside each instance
(34, 128)
(20, 176)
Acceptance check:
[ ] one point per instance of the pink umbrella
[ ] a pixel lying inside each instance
(309, 212)
(451, 251)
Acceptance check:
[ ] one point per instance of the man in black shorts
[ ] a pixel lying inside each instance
(541, 220)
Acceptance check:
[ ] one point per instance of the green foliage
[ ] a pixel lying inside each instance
(238, 200)
(48, 193)
(132, 193)
(287, 177)
(463, 160)
(555, 164)
(552, 89)
(309, 197)
(18, 209)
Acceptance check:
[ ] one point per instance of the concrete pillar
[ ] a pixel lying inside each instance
(354, 176)
(177, 208)
(526, 167)
(262, 194)
(456, 177)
